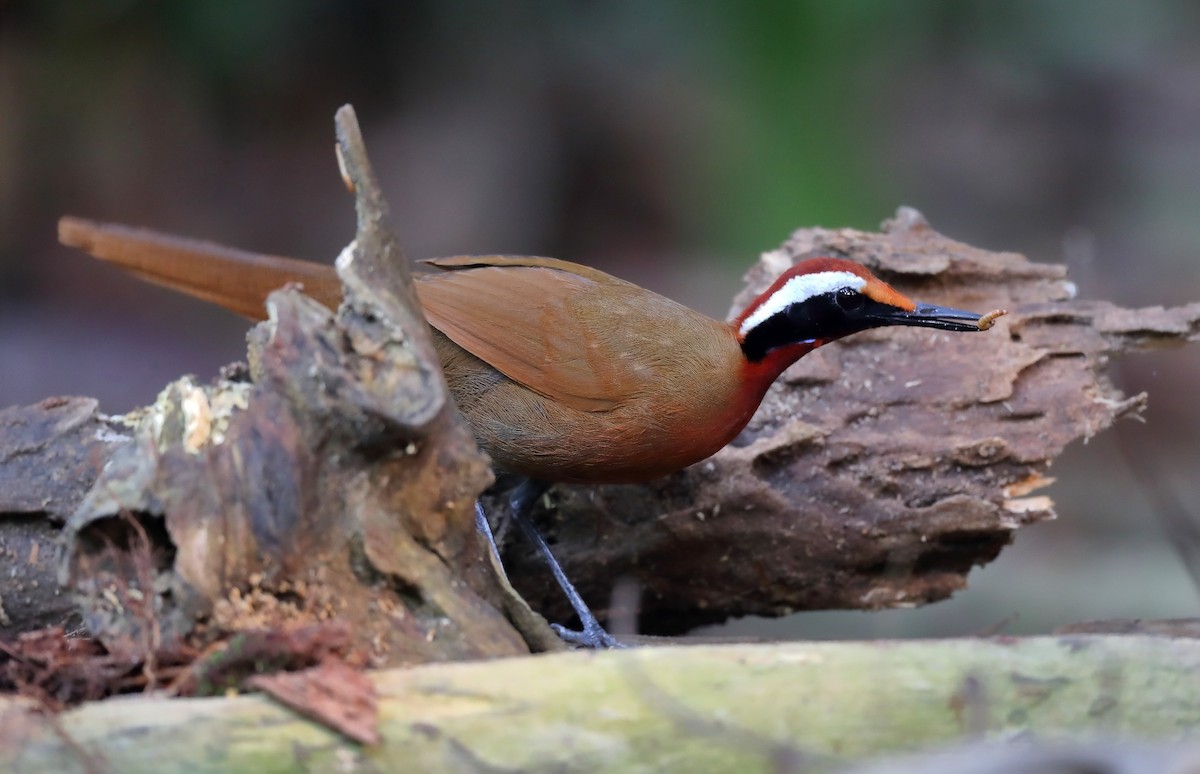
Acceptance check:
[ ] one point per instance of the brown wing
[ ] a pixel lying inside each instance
(544, 323)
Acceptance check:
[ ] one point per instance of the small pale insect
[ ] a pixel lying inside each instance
(988, 320)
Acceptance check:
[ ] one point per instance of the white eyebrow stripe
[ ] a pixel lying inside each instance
(801, 288)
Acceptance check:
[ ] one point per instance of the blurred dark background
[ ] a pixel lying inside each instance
(669, 143)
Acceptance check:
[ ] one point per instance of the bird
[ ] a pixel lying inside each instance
(564, 373)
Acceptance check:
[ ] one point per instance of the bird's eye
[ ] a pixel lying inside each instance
(849, 300)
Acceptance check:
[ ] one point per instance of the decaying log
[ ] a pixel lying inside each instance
(880, 469)
(338, 482)
(50, 454)
(787, 707)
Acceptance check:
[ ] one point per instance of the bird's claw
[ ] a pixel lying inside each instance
(594, 638)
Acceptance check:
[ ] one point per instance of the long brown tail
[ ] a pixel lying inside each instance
(235, 279)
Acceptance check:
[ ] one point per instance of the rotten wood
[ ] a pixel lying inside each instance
(50, 455)
(338, 482)
(879, 469)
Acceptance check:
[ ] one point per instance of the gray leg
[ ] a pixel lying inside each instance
(485, 529)
(592, 634)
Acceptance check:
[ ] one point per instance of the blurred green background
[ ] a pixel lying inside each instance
(668, 142)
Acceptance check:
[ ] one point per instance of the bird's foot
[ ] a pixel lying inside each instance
(592, 637)
(591, 634)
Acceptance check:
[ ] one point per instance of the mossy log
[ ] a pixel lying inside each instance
(810, 707)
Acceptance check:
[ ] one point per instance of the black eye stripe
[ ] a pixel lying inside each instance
(824, 317)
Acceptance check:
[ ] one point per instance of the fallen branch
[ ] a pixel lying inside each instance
(799, 707)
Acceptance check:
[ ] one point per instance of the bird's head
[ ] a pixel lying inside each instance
(823, 299)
